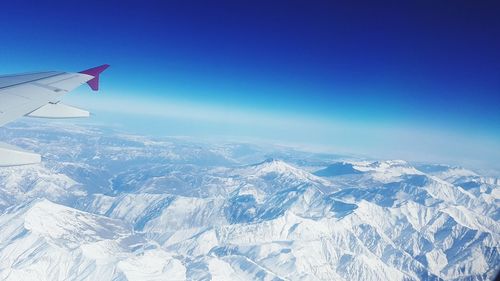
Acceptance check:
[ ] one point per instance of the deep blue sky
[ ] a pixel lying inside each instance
(412, 68)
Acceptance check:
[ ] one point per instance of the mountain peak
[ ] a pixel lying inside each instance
(273, 165)
(386, 170)
(280, 168)
(270, 160)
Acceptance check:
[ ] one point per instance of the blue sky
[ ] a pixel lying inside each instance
(418, 80)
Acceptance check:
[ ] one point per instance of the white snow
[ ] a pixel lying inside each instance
(111, 206)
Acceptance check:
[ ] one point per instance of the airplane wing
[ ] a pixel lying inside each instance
(39, 95)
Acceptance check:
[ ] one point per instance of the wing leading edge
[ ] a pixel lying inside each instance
(39, 95)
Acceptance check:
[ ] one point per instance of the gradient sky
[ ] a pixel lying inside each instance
(416, 80)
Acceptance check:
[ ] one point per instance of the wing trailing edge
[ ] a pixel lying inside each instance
(59, 111)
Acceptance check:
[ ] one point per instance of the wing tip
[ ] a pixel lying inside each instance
(95, 72)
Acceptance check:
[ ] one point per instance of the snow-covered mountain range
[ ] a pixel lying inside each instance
(110, 206)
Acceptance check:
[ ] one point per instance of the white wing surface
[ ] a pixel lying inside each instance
(39, 95)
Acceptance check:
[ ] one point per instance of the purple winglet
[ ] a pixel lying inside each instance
(94, 82)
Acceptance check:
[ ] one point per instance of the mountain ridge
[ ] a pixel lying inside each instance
(175, 209)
